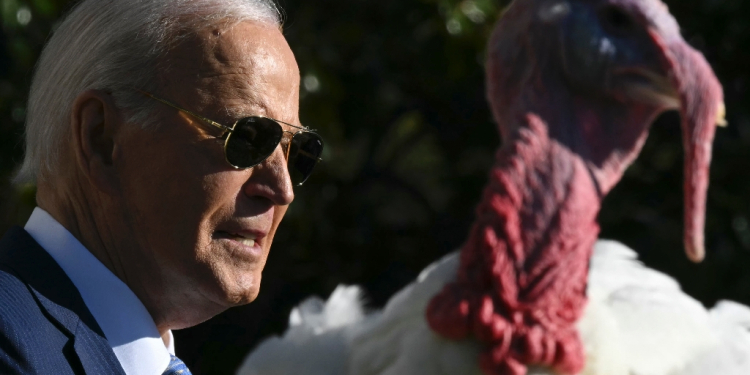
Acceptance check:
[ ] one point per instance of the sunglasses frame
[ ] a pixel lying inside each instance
(228, 130)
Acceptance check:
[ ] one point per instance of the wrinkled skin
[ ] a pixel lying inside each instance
(161, 208)
(574, 86)
(599, 72)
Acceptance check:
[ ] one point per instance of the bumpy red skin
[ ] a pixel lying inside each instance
(521, 291)
(522, 279)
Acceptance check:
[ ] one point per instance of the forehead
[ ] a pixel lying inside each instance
(248, 64)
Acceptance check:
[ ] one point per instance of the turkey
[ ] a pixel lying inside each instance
(573, 86)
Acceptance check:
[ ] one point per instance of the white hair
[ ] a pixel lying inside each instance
(113, 45)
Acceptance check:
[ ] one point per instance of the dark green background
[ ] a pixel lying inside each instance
(400, 103)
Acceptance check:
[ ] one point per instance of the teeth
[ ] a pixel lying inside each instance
(246, 241)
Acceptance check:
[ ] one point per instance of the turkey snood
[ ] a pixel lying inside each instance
(573, 86)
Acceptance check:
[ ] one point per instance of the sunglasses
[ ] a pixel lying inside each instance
(253, 139)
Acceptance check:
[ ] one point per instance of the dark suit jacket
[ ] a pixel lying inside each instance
(45, 327)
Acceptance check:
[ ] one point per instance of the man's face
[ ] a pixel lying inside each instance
(201, 229)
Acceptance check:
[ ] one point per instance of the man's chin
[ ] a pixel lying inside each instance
(241, 291)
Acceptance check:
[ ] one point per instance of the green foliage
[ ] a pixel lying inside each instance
(396, 89)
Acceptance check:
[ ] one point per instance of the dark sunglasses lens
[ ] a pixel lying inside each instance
(253, 139)
(304, 153)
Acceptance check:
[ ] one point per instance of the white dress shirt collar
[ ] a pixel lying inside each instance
(122, 317)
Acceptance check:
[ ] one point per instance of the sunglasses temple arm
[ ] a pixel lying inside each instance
(199, 117)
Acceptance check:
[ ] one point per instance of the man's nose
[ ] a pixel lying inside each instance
(271, 179)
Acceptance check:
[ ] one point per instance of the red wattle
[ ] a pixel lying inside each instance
(521, 284)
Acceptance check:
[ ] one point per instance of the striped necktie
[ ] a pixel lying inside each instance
(176, 367)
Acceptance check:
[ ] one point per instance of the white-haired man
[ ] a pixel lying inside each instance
(164, 139)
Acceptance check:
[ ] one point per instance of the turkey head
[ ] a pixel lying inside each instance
(574, 86)
(598, 72)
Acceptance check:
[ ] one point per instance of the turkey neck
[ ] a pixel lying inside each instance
(521, 283)
(537, 215)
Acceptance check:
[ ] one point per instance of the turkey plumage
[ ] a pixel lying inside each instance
(574, 86)
(637, 322)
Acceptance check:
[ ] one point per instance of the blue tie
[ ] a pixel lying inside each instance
(176, 367)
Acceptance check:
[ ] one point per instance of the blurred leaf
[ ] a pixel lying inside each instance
(47, 8)
(9, 9)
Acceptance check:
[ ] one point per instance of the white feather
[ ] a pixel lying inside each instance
(316, 340)
(637, 322)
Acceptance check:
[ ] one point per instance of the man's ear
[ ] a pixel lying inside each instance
(95, 121)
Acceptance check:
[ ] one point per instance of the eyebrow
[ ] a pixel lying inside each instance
(237, 114)
(216, 123)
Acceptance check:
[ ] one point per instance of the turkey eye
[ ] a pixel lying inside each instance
(617, 20)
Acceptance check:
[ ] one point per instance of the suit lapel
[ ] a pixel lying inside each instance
(102, 359)
(60, 299)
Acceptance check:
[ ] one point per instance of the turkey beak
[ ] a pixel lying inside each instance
(701, 109)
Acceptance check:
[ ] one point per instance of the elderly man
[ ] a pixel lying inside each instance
(165, 141)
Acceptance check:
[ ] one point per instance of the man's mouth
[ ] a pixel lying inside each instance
(247, 239)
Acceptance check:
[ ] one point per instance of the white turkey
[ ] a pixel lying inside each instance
(574, 86)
